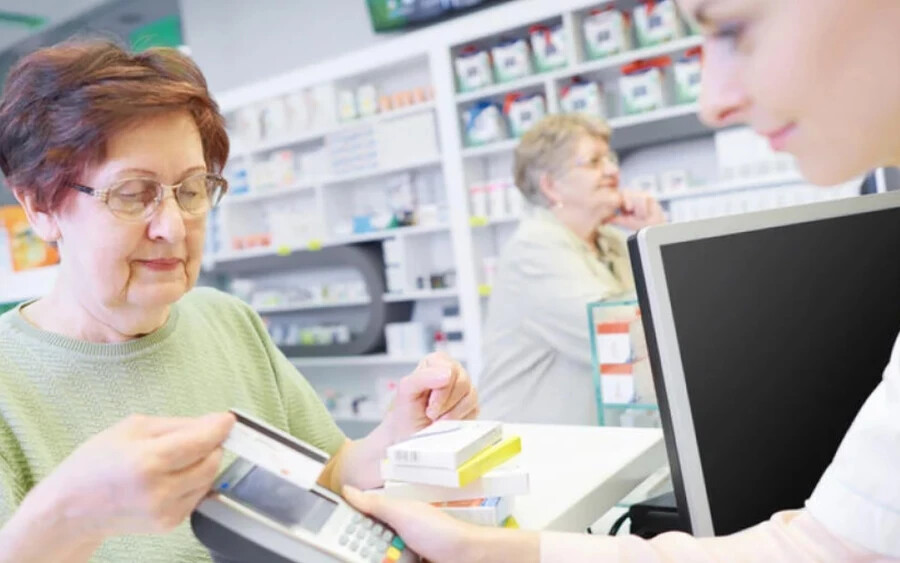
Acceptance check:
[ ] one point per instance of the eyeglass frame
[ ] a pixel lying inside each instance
(103, 194)
(610, 158)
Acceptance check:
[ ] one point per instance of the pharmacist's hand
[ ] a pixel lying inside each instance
(143, 475)
(435, 536)
(439, 389)
(638, 210)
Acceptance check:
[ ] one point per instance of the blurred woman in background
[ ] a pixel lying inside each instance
(568, 252)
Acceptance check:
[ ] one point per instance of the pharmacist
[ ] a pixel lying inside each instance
(106, 384)
(568, 252)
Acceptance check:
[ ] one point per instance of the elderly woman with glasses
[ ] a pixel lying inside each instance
(570, 251)
(114, 386)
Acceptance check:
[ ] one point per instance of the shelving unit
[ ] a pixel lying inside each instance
(276, 309)
(673, 135)
(732, 186)
(244, 151)
(314, 245)
(421, 295)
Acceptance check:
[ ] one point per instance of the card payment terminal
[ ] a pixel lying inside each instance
(255, 514)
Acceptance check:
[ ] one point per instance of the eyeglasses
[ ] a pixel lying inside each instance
(135, 199)
(608, 160)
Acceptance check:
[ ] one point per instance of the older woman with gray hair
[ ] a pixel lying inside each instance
(567, 253)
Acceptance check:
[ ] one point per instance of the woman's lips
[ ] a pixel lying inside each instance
(779, 138)
(161, 264)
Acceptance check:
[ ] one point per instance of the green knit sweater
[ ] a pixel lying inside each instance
(212, 354)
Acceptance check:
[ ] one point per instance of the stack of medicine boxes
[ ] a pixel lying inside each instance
(463, 467)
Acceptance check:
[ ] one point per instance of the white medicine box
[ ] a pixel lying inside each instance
(483, 123)
(656, 22)
(582, 97)
(512, 59)
(617, 384)
(523, 112)
(619, 341)
(473, 69)
(606, 32)
(687, 73)
(548, 45)
(642, 85)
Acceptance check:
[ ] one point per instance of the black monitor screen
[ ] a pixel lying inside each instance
(783, 333)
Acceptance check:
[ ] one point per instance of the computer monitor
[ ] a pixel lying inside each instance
(766, 333)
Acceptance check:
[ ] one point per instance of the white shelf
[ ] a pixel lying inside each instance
(651, 116)
(20, 286)
(270, 194)
(621, 122)
(430, 161)
(581, 68)
(389, 233)
(269, 251)
(345, 361)
(491, 148)
(315, 134)
(734, 186)
(621, 59)
(484, 222)
(504, 87)
(422, 295)
(312, 306)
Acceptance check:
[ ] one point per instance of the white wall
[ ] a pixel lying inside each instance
(237, 42)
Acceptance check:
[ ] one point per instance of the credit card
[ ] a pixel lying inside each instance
(275, 451)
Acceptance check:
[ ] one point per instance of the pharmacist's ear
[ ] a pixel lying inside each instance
(548, 187)
(42, 220)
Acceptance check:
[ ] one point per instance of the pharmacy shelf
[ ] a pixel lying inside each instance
(664, 125)
(629, 131)
(523, 83)
(734, 186)
(350, 361)
(249, 197)
(591, 66)
(29, 284)
(309, 185)
(625, 121)
(480, 221)
(317, 134)
(421, 163)
(615, 61)
(389, 233)
(275, 309)
(318, 244)
(423, 295)
(490, 149)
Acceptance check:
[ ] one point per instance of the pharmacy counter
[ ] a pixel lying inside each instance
(577, 473)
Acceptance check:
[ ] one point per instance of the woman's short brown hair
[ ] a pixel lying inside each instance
(61, 105)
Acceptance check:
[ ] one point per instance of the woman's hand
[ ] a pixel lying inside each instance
(437, 537)
(638, 210)
(439, 389)
(143, 475)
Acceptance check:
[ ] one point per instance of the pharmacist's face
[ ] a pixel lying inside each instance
(590, 182)
(819, 78)
(119, 266)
